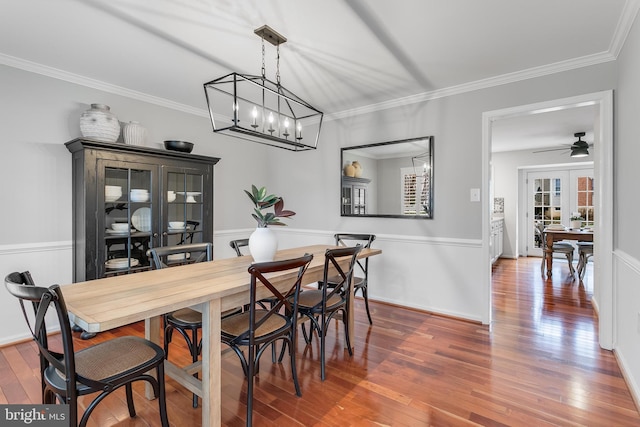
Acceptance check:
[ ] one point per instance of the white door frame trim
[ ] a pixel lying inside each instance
(604, 285)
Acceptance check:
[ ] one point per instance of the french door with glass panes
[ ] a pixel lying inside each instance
(552, 197)
(581, 181)
(548, 203)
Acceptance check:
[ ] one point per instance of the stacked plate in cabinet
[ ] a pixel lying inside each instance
(120, 263)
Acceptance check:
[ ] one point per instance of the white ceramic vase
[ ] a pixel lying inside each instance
(357, 169)
(263, 244)
(134, 134)
(100, 123)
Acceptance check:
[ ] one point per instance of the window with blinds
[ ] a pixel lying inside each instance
(415, 194)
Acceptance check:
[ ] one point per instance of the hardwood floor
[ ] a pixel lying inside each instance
(538, 364)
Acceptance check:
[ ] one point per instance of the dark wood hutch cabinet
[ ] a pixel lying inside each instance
(354, 195)
(144, 189)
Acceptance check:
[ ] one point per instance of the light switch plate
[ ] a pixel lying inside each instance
(475, 194)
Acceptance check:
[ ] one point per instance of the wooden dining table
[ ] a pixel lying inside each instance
(103, 304)
(550, 236)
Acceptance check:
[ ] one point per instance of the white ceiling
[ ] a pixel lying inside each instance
(343, 56)
(543, 130)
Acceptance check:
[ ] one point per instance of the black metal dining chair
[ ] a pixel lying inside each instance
(238, 244)
(265, 303)
(258, 328)
(321, 305)
(186, 320)
(99, 369)
(361, 278)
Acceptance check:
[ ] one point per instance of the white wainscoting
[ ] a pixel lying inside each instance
(49, 263)
(433, 274)
(626, 304)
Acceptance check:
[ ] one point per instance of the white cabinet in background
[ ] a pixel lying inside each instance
(497, 236)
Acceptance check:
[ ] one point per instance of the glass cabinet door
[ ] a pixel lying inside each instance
(183, 215)
(359, 200)
(347, 207)
(126, 217)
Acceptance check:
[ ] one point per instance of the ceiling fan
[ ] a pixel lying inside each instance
(579, 148)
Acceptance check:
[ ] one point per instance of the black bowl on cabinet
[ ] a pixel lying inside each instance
(183, 146)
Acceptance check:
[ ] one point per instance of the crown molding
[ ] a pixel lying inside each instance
(627, 17)
(503, 79)
(56, 73)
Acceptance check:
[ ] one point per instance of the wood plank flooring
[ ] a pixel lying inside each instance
(538, 364)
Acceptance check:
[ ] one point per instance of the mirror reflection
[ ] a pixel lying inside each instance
(388, 179)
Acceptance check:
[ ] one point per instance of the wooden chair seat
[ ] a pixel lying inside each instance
(235, 325)
(311, 298)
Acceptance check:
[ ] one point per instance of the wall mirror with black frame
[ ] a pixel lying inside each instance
(391, 179)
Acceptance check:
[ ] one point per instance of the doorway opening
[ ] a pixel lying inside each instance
(603, 202)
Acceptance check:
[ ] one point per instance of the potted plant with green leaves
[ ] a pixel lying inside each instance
(263, 243)
(576, 220)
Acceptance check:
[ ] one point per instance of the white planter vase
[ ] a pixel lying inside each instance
(100, 123)
(576, 224)
(263, 244)
(134, 134)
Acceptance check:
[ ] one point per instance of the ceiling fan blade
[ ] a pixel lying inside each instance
(551, 149)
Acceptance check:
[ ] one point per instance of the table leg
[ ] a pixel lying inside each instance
(548, 253)
(211, 364)
(152, 333)
(351, 314)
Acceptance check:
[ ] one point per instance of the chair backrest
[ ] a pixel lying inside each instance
(21, 286)
(237, 244)
(167, 256)
(332, 259)
(260, 281)
(188, 237)
(351, 239)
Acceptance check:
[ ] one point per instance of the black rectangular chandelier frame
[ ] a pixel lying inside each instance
(257, 109)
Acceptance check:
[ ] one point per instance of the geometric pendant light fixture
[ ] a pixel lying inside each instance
(257, 109)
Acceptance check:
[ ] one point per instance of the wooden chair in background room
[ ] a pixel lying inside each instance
(361, 277)
(321, 305)
(558, 247)
(186, 319)
(585, 251)
(259, 328)
(101, 369)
